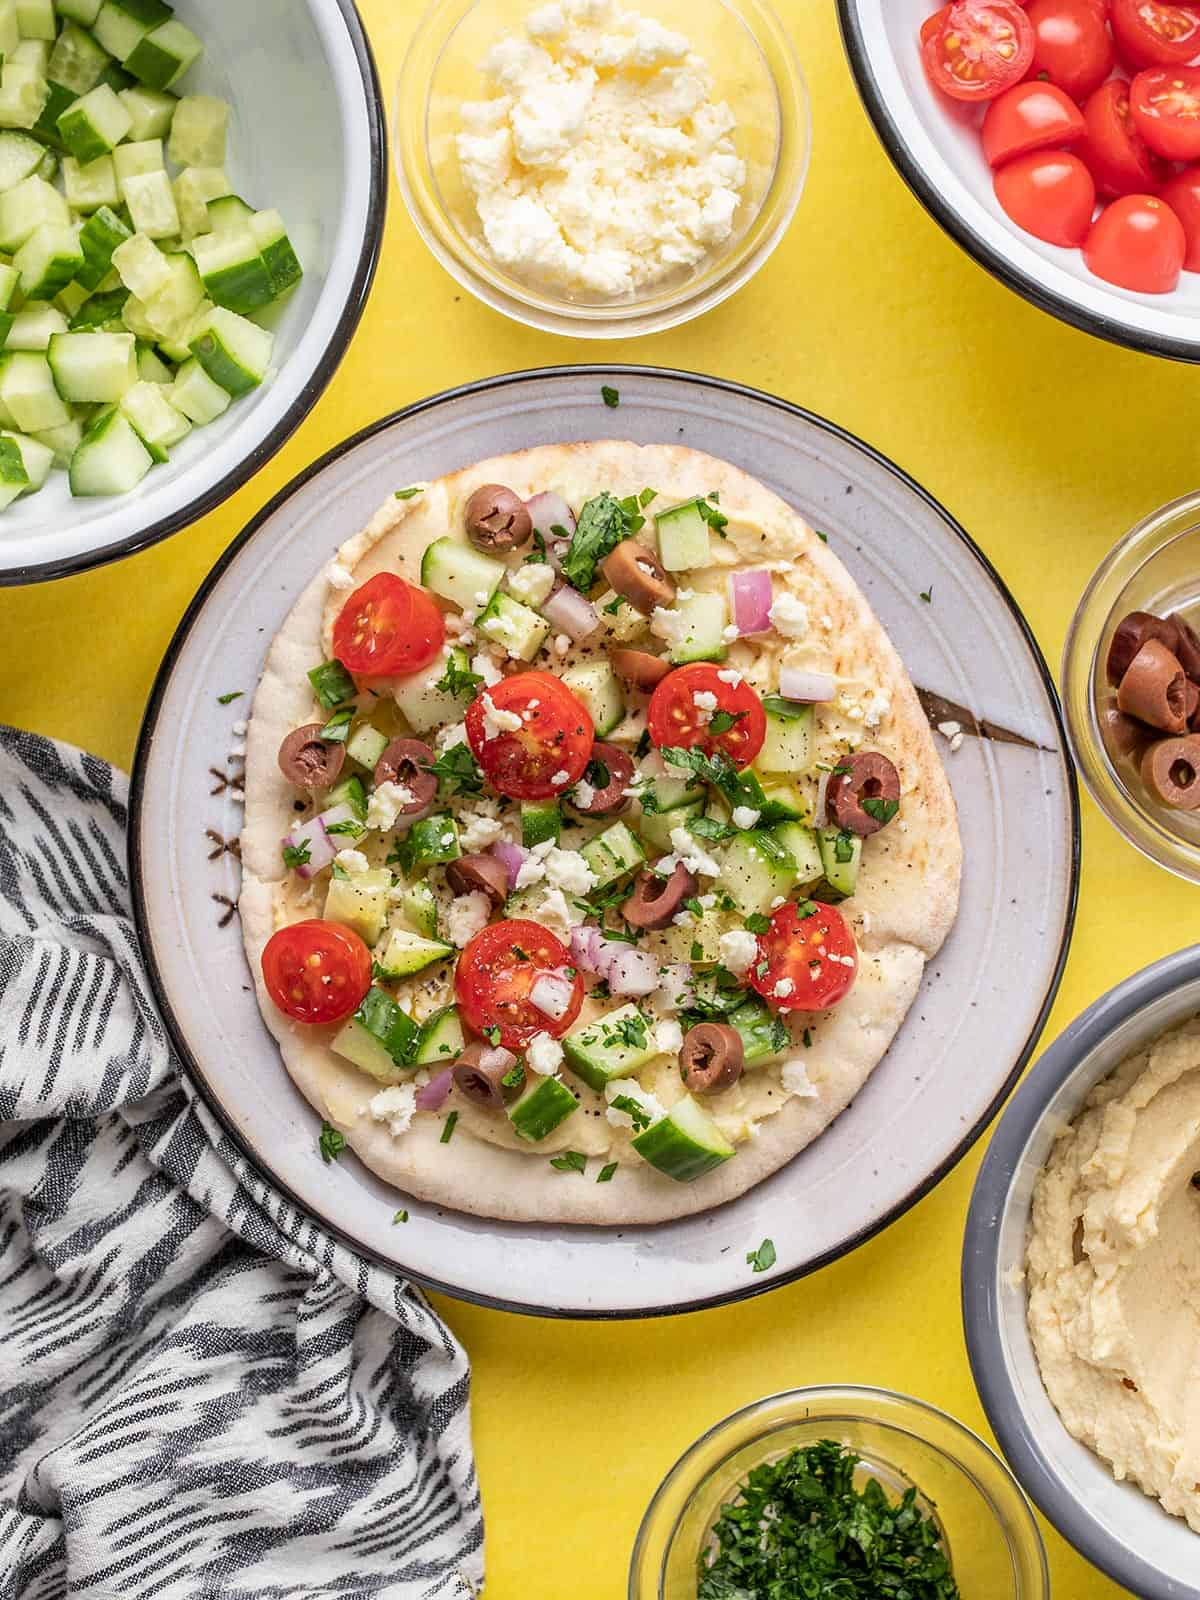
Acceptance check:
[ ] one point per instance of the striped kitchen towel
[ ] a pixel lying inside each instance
(200, 1394)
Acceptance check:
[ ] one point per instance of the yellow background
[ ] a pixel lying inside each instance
(1045, 443)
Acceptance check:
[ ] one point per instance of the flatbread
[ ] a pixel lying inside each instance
(905, 904)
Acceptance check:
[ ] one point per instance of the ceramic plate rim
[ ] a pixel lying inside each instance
(318, 381)
(145, 741)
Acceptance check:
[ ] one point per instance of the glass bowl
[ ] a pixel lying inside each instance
(1155, 568)
(988, 1528)
(753, 68)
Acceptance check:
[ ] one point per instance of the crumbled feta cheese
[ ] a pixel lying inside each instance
(531, 582)
(478, 829)
(731, 633)
(783, 988)
(560, 777)
(352, 861)
(387, 801)
(688, 850)
(567, 870)
(562, 644)
(789, 616)
(739, 950)
(956, 744)
(745, 816)
(497, 721)
(876, 705)
(793, 1075)
(459, 626)
(240, 729)
(454, 733)
(556, 910)
(395, 1106)
(339, 576)
(485, 665)
(705, 702)
(468, 913)
(619, 1089)
(949, 729)
(584, 794)
(543, 1055)
(731, 676)
(669, 625)
(668, 1036)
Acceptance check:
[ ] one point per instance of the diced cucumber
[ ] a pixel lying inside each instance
(612, 854)
(234, 273)
(669, 787)
(197, 396)
(451, 568)
(152, 368)
(62, 441)
(418, 905)
(119, 29)
(94, 124)
(163, 56)
(229, 213)
(595, 684)
(20, 157)
(34, 325)
(171, 311)
(98, 238)
(198, 132)
(77, 60)
(360, 901)
(623, 622)
(685, 1144)
(422, 703)
(763, 1036)
(84, 12)
(786, 802)
(790, 744)
(801, 844)
(176, 346)
(159, 425)
(24, 209)
(540, 820)
(841, 856)
(757, 871)
(431, 841)
(151, 112)
(111, 459)
(10, 280)
(93, 368)
(234, 352)
(702, 637)
(34, 53)
(133, 319)
(441, 1039)
(71, 300)
(365, 745)
(405, 953)
(350, 792)
(151, 202)
(194, 188)
(276, 249)
(28, 393)
(544, 1105)
(515, 627)
(142, 266)
(655, 826)
(10, 33)
(88, 188)
(23, 95)
(136, 160)
(697, 940)
(14, 480)
(36, 19)
(683, 541)
(48, 260)
(45, 129)
(379, 1038)
(612, 1046)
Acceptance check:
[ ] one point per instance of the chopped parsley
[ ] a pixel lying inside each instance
(611, 396)
(597, 773)
(879, 808)
(605, 1174)
(401, 1216)
(603, 522)
(406, 494)
(784, 710)
(716, 518)
(338, 871)
(348, 829)
(492, 1035)
(332, 684)
(602, 900)
(697, 950)
(763, 1258)
(297, 855)
(448, 1128)
(721, 721)
(620, 935)
(843, 846)
(337, 729)
(824, 537)
(456, 770)
(228, 699)
(634, 1110)
(613, 606)
(538, 553)
(457, 681)
(710, 828)
(514, 1078)
(927, 595)
(570, 1161)
(331, 1143)
(757, 923)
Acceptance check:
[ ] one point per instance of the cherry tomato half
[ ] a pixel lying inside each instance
(1030, 116)
(1182, 194)
(1150, 33)
(1072, 45)
(495, 978)
(1116, 154)
(1165, 105)
(1049, 193)
(316, 971)
(550, 748)
(1137, 243)
(805, 963)
(387, 627)
(680, 714)
(979, 49)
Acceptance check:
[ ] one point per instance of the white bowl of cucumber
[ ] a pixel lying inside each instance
(191, 209)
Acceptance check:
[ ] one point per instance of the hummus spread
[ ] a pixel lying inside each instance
(1114, 1272)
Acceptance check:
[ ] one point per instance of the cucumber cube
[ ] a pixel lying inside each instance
(84, 12)
(234, 273)
(151, 202)
(359, 900)
(196, 394)
(142, 266)
(540, 820)
(118, 30)
(93, 368)
(359, 1044)
(111, 459)
(431, 841)
(164, 55)
(194, 188)
(594, 683)
(159, 426)
(72, 299)
(198, 132)
(152, 369)
(841, 856)
(418, 906)
(519, 630)
(171, 311)
(28, 393)
(36, 458)
(790, 743)
(10, 33)
(702, 631)
(77, 61)
(234, 352)
(405, 953)
(275, 247)
(34, 326)
(151, 113)
(133, 160)
(685, 1144)
(422, 703)
(33, 53)
(23, 95)
(94, 124)
(92, 186)
(758, 870)
(48, 260)
(98, 238)
(133, 320)
(612, 854)
(45, 128)
(14, 480)
(683, 540)
(20, 157)
(612, 1046)
(9, 279)
(440, 1040)
(229, 213)
(802, 845)
(36, 19)
(619, 619)
(102, 313)
(451, 569)
(365, 745)
(544, 1105)
(62, 442)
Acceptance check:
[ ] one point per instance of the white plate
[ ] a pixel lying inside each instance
(984, 999)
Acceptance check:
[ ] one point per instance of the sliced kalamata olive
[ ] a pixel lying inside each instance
(497, 519)
(1124, 736)
(479, 1075)
(1187, 646)
(655, 901)
(1154, 689)
(638, 669)
(711, 1058)
(308, 761)
(1171, 771)
(1191, 701)
(638, 576)
(404, 762)
(609, 773)
(483, 873)
(1132, 633)
(868, 777)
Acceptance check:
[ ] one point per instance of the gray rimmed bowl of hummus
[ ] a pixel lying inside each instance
(1081, 1269)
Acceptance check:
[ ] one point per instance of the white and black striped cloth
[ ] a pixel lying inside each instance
(201, 1395)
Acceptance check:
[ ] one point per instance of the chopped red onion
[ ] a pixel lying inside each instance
(633, 972)
(432, 1096)
(586, 949)
(751, 595)
(813, 688)
(512, 857)
(549, 511)
(497, 1057)
(571, 613)
(311, 836)
(552, 994)
(675, 986)
(556, 551)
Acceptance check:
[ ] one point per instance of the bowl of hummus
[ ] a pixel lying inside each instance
(1081, 1281)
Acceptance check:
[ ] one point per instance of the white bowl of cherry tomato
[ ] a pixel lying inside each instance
(1058, 141)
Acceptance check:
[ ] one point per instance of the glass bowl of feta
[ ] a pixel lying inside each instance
(600, 171)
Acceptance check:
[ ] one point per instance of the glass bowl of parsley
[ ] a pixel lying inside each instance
(854, 1486)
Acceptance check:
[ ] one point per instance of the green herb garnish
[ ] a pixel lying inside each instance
(570, 1161)
(538, 553)
(603, 522)
(297, 855)
(710, 828)
(492, 1035)
(785, 710)
(721, 721)
(807, 1038)
(634, 1110)
(332, 684)
(406, 494)
(597, 774)
(456, 771)
(337, 729)
(927, 595)
(757, 923)
(882, 810)
(457, 682)
(331, 1143)
(401, 1216)
(764, 1257)
(717, 520)
(348, 829)
(514, 1078)
(824, 537)
(448, 1128)
(843, 846)
(613, 606)
(336, 870)
(611, 397)
(228, 699)
(605, 1174)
